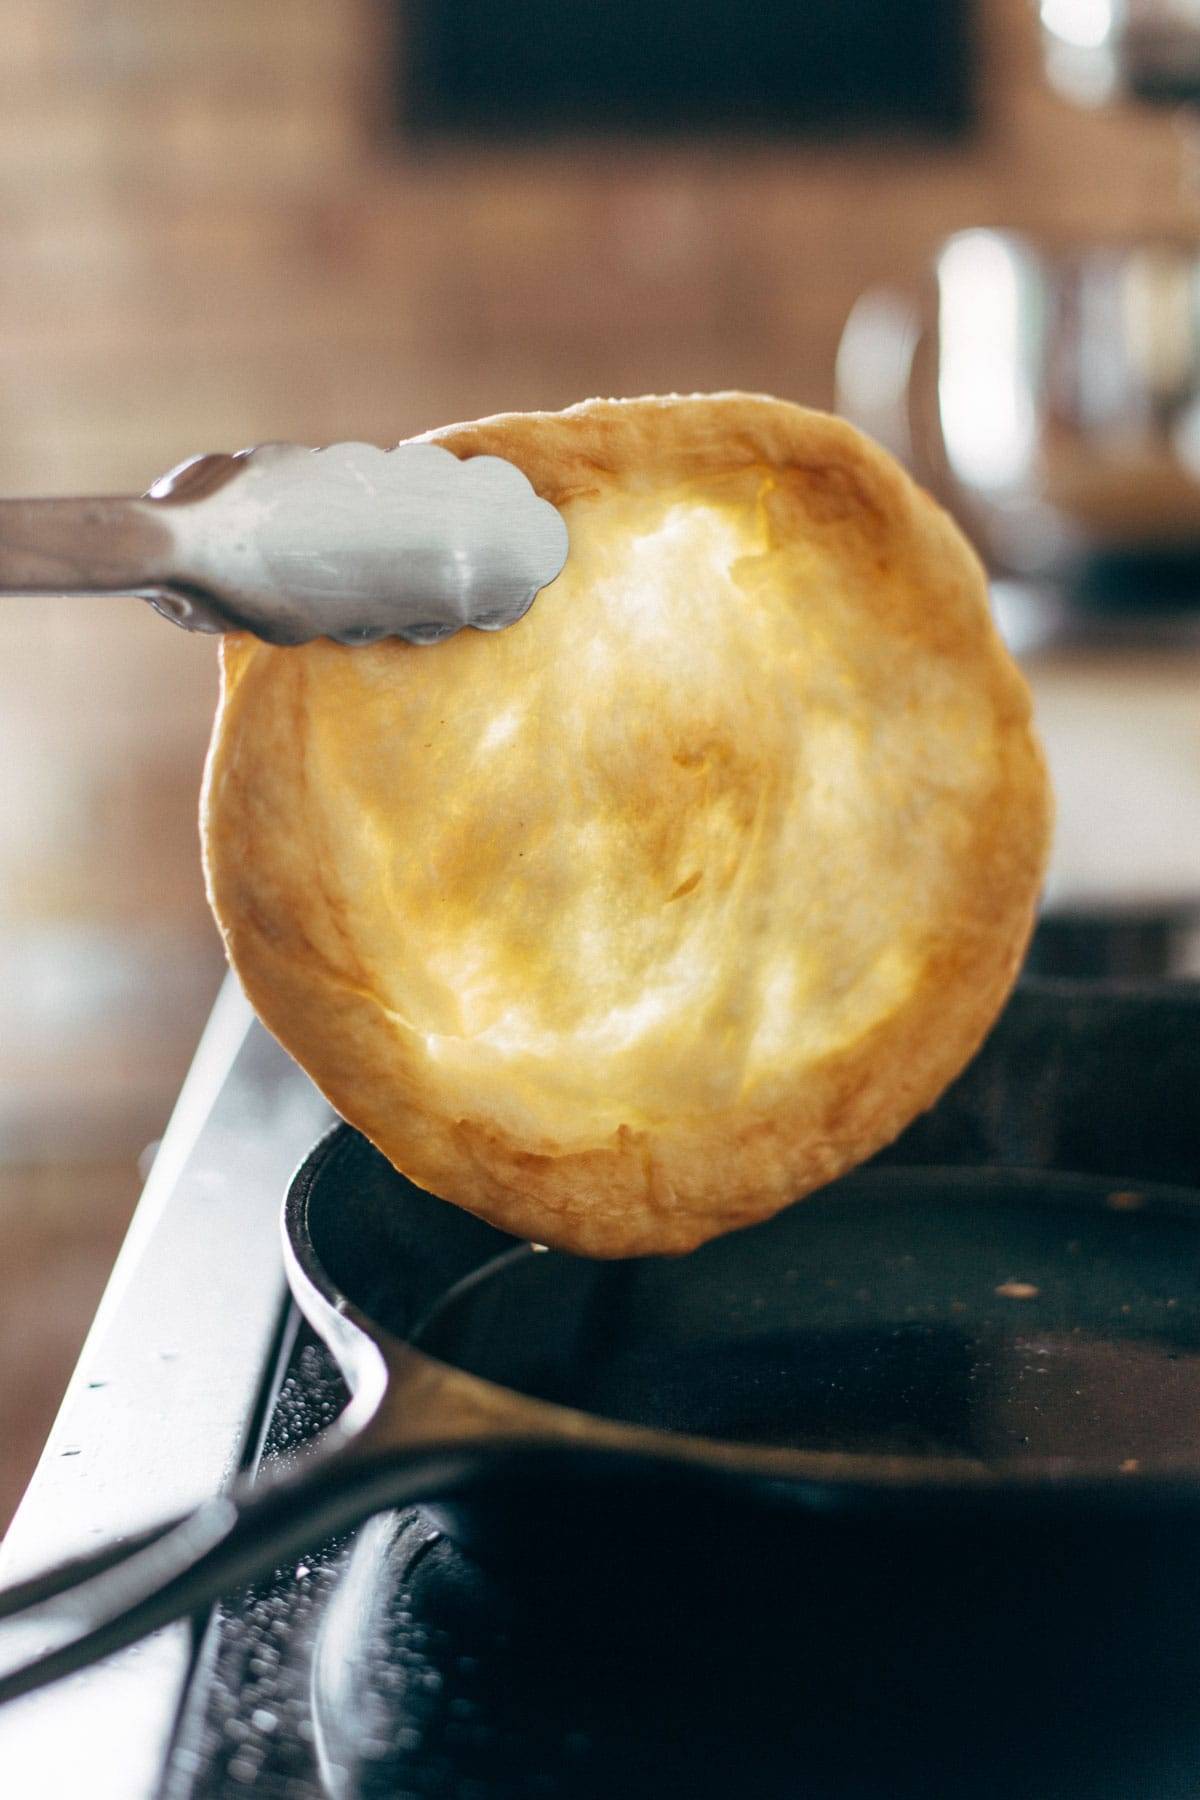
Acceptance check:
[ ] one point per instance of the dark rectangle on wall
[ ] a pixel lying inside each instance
(808, 68)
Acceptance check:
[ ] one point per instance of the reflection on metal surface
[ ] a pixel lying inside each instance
(874, 367)
(349, 1718)
(988, 349)
(165, 1386)
(1051, 396)
(1078, 47)
(1083, 23)
(1100, 50)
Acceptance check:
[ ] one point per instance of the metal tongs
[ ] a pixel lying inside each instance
(350, 542)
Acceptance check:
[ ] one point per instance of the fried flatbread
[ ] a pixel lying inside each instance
(640, 919)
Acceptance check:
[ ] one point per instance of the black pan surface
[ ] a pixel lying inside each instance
(1018, 1319)
(763, 1638)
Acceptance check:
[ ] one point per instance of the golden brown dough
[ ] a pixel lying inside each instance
(654, 912)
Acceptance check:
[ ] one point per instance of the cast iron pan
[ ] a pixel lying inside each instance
(923, 1389)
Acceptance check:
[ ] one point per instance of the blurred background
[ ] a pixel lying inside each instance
(324, 219)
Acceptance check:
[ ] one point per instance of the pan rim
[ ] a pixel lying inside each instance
(373, 1359)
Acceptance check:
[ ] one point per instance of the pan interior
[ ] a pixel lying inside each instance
(955, 1313)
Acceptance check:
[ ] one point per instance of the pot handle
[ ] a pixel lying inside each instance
(81, 1610)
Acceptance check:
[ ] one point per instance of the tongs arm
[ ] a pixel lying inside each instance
(351, 543)
(115, 546)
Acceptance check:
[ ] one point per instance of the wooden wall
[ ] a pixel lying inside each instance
(208, 234)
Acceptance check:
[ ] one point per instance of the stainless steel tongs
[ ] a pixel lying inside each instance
(350, 542)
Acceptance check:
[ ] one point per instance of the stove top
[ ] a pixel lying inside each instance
(392, 1663)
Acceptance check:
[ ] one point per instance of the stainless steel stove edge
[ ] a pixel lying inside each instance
(166, 1392)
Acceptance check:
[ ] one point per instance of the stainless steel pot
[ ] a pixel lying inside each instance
(1051, 397)
(1101, 50)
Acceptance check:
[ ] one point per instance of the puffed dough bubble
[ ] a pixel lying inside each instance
(638, 920)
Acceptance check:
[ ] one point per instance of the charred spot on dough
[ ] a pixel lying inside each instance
(688, 886)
